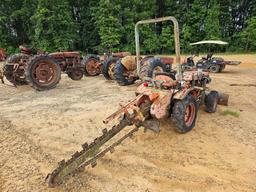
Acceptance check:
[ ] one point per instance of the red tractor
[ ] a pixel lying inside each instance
(95, 64)
(42, 70)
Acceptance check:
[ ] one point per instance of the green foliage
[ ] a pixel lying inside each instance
(54, 26)
(167, 40)
(108, 25)
(247, 37)
(107, 20)
(212, 23)
(232, 113)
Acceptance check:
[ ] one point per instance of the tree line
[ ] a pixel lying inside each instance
(98, 26)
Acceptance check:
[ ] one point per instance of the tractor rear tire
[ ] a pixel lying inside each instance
(222, 67)
(9, 71)
(109, 68)
(215, 68)
(76, 74)
(43, 73)
(184, 114)
(211, 102)
(89, 63)
(119, 75)
(149, 69)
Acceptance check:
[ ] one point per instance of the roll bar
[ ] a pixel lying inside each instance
(176, 38)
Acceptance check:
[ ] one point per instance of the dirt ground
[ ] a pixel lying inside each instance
(38, 129)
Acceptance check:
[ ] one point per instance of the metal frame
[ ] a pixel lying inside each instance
(176, 38)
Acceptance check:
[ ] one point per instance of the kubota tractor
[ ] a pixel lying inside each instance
(174, 96)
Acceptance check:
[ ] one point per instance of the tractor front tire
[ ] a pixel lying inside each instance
(43, 73)
(109, 68)
(89, 62)
(215, 68)
(120, 77)
(222, 67)
(184, 114)
(211, 102)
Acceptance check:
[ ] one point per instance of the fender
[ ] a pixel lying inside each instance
(129, 62)
(160, 106)
(182, 94)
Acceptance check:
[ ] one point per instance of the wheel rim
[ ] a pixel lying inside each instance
(157, 70)
(214, 69)
(190, 114)
(111, 70)
(91, 67)
(44, 73)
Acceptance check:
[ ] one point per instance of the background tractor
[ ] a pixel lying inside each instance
(210, 63)
(42, 70)
(105, 64)
(126, 68)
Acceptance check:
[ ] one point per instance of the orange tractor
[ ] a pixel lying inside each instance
(174, 96)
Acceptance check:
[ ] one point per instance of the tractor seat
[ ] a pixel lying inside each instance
(168, 80)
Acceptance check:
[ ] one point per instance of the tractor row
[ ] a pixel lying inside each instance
(43, 70)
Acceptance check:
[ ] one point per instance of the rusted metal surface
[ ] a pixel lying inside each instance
(44, 72)
(129, 62)
(167, 60)
(121, 54)
(65, 54)
(3, 55)
(93, 67)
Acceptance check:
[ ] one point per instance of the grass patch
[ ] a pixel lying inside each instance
(232, 113)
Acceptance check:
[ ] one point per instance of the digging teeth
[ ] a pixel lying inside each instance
(112, 150)
(93, 164)
(85, 146)
(76, 155)
(104, 131)
(61, 163)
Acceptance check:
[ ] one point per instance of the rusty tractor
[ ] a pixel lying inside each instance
(105, 64)
(42, 70)
(2, 54)
(176, 96)
(126, 68)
